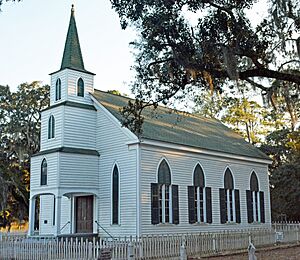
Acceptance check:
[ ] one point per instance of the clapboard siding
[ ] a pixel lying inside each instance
(79, 128)
(69, 80)
(62, 75)
(182, 165)
(65, 215)
(72, 77)
(58, 113)
(111, 144)
(78, 171)
(46, 214)
(52, 167)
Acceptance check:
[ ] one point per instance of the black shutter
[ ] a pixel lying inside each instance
(222, 205)
(191, 204)
(154, 203)
(237, 206)
(208, 205)
(249, 206)
(175, 204)
(262, 206)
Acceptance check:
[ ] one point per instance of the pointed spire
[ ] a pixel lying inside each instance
(72, 57)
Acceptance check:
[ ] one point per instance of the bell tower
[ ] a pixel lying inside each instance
(72, 82)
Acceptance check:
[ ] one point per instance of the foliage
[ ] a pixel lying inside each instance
(284, 148)
(250, 119)
(117, 92)
(20, 118)
(173, 54)
(1, 1)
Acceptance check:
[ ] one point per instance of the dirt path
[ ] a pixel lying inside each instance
(283, 253)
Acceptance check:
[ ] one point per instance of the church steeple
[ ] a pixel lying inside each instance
(72, 82)
(72, 57)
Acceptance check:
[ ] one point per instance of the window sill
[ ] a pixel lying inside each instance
(115, 225)
(165, 225)
(231, 223)
(200, 224)
(255, 223)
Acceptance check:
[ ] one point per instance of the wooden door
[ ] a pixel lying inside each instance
(84, 214)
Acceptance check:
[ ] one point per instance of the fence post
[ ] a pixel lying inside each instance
(130, 251)
(90, 250)
(183, 255)
(214, 243)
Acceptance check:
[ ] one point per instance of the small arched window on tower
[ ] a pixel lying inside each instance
(44, 172)
(80, 88)
(199, 199)
(51, 127)
(255, 201)
(115, 195)
(164, 197)
(229, 200)
(58, 89)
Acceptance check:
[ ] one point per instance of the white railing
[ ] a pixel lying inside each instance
(145, 247)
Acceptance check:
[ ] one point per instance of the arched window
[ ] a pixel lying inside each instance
(199, 198)
(58, 89)
(229, 200)
(164, 197)
(164, 173)
(44, 172)
(255, 201)
(80, 88)
(115, 196)
(51, 127)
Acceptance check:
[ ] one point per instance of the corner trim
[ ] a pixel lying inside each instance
(64, 149)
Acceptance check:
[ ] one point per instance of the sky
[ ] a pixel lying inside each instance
(33, 33)
(32, 38)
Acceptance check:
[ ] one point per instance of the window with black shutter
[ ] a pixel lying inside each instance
(208, 205)
(199, 199)
(175, 204)
(223, 207)
(164, 197)
(154, 203)
(115, 196)
(249, 206)
(191, 204)
(262, 206)
(229, 200)
(237, 206)
(255, 201)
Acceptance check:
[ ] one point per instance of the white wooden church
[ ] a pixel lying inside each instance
(94, 176)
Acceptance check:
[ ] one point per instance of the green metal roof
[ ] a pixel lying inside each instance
(72, 57)
(184, 128)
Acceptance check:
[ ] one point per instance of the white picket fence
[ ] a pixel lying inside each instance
(145, 247)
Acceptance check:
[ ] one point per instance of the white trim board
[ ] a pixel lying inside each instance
(183, 148)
